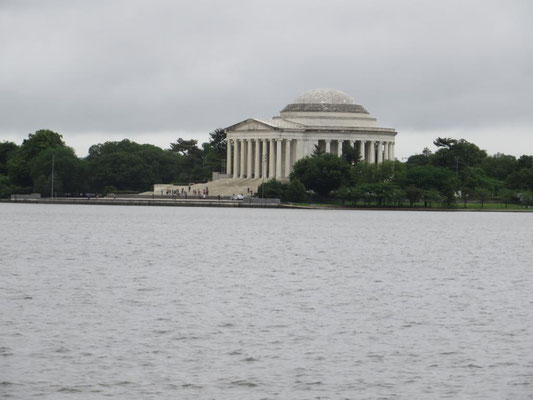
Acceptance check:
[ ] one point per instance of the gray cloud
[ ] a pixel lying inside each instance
(153, 71)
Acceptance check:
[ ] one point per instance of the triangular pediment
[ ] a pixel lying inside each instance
(251, 124)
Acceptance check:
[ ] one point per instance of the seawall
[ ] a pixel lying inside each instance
(254, 203)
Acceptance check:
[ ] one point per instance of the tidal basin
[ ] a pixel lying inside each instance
(216, 303)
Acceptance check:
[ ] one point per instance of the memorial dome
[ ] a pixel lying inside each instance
(324, 100)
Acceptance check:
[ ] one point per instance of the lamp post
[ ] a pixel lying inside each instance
(52, 186)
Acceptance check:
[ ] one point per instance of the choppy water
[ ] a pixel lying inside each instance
(195, 303)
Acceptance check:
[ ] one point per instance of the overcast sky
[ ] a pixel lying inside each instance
(153, 71)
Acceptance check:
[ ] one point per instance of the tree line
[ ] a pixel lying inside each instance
(120, 167)
(458, 171)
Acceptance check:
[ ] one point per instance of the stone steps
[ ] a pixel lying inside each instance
(222, 187)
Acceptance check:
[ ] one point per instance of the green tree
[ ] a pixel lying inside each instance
(429, 196)
(184, 147)
(429, 177)
(475, 180)
(271, 189)
(507, 196)
(413, 194)
(382, 193)
(420, 159)
(482, 195)
(457, 155)
(350, 154)
(7, 150)
(364, 192)
(70, 173)
(386, 172)
(499, 166)
(217, 140)
(522, 179)
(317, 151)
(295, 192)
(20, 164)
(344, 193)
(524, 162)
(526, 198)
(131, 166)
(475, 177)
(41, 140)
(6, 187)
(322, 173)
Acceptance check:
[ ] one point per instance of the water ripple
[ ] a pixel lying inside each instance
(156, 303)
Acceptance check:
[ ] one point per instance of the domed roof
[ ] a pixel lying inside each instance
(324, 100)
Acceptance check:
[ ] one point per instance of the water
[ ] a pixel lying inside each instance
(195, 303)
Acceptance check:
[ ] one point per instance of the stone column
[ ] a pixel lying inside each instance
(242, 163)
(264, 160)
(257, 158)
(235, 158)
(371, 152)
(362, 150)
(328, 146)
(249, 155)
(385, 151)
(271, 160)
(278, 159)
(287, 157)
(392, 150)
(228, 156)
(339, 148)
(380, 152)
(296, 146)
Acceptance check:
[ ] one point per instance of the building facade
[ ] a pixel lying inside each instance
(322, 118)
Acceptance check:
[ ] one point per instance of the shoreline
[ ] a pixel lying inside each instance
(143, 202)
(146, 202)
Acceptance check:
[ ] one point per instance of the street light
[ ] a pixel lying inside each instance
(52, 186)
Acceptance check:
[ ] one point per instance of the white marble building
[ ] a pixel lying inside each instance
(259, 148)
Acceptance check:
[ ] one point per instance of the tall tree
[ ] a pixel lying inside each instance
(19, 166)
(217, 140)
(184, 147)
(457, 155)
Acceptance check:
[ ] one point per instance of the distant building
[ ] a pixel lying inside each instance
(259, 148)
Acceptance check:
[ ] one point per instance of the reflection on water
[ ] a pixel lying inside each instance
(198, 303)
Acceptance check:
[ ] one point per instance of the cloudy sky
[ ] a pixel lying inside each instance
(153, 71)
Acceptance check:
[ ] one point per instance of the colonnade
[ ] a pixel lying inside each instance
(274, 158)
(260, 158)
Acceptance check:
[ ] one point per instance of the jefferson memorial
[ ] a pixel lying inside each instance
(321, 118)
